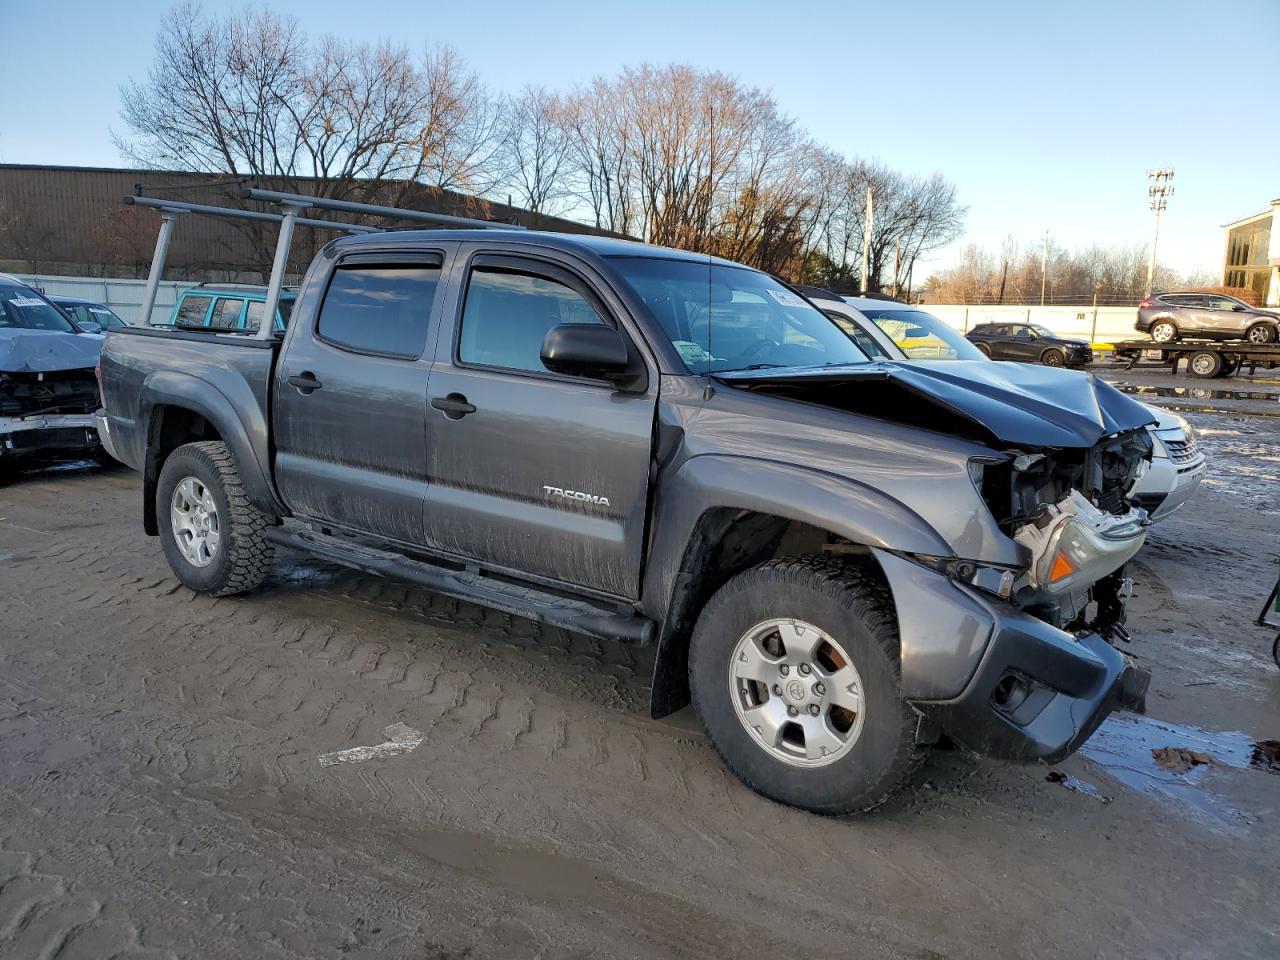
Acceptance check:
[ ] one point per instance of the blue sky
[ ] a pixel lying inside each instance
(1046, 116)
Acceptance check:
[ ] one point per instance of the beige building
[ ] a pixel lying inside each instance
(1252, 257)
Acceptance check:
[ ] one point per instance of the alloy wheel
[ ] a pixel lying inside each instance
(1163, 332)
(796, 692)
(193, 517)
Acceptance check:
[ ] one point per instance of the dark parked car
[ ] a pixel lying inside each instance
(87, 313)
(1214, 316)
(1030, 343)
(838, 559)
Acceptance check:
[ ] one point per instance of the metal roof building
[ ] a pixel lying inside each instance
(70, 221)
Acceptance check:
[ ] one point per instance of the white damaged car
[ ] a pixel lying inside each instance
(899, 331)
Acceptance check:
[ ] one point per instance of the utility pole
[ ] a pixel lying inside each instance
(1044, 268)
(866, 237)
(897, 265)
(1158, 191)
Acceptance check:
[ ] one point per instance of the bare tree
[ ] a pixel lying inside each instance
(250, 95)
(536, 149)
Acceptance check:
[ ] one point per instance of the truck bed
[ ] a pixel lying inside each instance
(226, 377)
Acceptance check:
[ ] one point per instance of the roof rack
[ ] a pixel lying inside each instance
(292, 204)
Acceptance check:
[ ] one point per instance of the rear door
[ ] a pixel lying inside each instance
(351, 394)
(528, 470)
(1194, 316)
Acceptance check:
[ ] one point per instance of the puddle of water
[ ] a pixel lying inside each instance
(1077, 785)
(1142, 754)
(306, 573)
(1196, 393)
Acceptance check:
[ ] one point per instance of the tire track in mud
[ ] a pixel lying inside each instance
(539, 764)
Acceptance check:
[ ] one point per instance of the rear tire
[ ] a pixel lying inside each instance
(1229, 366)
(1261, 333)
(1205, 364)
(1053, 357)
(211, 534)
(774, 733)
(1164, 331)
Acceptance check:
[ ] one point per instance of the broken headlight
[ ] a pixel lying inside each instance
(1074, 544)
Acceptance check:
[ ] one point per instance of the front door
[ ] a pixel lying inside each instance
(351, 394)
(530, 470)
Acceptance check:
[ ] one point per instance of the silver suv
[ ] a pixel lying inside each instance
(1171, 316)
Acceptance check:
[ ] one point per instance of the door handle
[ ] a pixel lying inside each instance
(454, 406)
(306, 382)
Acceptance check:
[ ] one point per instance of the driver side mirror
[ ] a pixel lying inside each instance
(1240, 308)
(89, 326)
(593, 351)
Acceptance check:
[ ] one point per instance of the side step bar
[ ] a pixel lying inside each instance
(576, 615)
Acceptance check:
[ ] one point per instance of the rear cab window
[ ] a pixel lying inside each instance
(381, 309)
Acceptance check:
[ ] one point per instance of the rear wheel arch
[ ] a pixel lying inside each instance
(170, 427)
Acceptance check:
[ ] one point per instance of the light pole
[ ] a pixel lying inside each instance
(1158, 191)
(1044, 268)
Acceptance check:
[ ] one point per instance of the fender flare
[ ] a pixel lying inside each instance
(238, 421)
(712, 483)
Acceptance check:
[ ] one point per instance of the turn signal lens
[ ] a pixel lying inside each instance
(1062, 568)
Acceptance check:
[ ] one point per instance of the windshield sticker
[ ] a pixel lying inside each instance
(102, 310)
(787, 298)
(27, 302)
(690, 352)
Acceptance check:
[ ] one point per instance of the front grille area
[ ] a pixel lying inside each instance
(1183, 452)
(50, 392)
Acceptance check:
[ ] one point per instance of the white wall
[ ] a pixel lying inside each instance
(122, 296)
(1111, 324)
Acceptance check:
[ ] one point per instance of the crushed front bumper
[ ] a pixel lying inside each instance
(1038, 693)
(51, 434)
(996, 679)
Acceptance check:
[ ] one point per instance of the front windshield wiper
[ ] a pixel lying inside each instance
(762, 366)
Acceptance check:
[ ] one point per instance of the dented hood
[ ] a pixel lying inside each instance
(41, 351)
(1022, 404)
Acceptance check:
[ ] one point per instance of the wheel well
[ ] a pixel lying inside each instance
(170, 428)
(724, 543)
(1048, 350)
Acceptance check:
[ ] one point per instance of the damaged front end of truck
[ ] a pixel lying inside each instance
(1010, 649)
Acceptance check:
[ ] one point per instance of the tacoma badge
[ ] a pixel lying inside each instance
(575, 495)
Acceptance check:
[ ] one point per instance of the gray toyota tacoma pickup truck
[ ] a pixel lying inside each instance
(840, 560)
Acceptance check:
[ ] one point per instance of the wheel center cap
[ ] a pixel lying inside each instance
(795, 691)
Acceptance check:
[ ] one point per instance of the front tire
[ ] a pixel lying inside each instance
(211, 534)
(984, 350)
(1053, 357)
(793, 669)
(1164, 331)
(1261, 333)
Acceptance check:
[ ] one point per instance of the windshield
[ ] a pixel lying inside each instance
(1040, 331)
(722, 318)
(22, 308)
(922, 336)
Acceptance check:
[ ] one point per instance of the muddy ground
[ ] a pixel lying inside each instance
(162, 793)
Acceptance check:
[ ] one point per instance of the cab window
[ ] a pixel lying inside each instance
(380, 310)
(508, 314)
